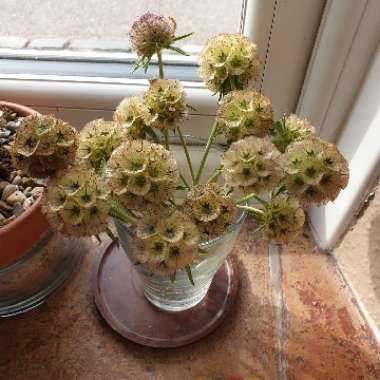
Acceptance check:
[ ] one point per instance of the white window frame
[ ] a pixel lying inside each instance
(338, 96)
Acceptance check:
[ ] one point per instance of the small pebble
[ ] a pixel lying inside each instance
(4, 133)
(28, 202)
(4, 206)
(15, 197)
(18, 209)
(16, 180)
(37, 191)
(12, 126)
(28, 191)
(3, 185)
(12, 175)
(8, 190)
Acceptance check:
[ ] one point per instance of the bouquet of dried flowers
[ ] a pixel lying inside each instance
(124, 168)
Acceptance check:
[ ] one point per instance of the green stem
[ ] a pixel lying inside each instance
(160, 64)
(184, 144)
(120, 212)
(152, 133)
(215, 175)
(166, 137)
(184, 181)
(250, 196)
(251, 209)
(210, 140)
(112, 236)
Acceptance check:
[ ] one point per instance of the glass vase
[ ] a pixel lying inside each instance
(181, 294)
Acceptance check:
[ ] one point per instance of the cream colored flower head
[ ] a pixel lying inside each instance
(44, 145)
(315, 171)
(212, 210)
(75, 202)
(252, 164)
(166, 101)
(229, 62)
(140, 172)
(245, 113)
(133, 116)
(282, 219)
(97, 140)
(151, 33)
(290, 129)
(167, 241)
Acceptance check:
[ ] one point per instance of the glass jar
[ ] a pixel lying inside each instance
(181, 294)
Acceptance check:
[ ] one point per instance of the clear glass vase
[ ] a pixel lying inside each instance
(181, 294)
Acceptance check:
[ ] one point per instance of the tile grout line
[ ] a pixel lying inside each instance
(275, 270)
(357, 301)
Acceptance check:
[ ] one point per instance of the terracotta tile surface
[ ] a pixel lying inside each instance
(326, 337)
(67, 339)
(297, 320)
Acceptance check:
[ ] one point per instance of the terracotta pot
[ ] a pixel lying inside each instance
(20, 235)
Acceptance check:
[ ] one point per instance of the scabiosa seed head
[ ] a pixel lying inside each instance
(282, 219)
(245, 113)
(229, 62)
(166, 101)
(290, 129)
(151, 33)
(140, 172)
(252, 165)
(315, 171)
(97, 140)
(167, 241)
(133, 115)
(212, 210)
(75, 202)
(43, 145)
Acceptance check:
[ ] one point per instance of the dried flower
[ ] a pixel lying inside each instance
(229, 62)
(166, 101)
(290, 129)
(140, 172)
(75, 202)
(43, 145)
(252, 164)
(212, 210)
(244, 113)
(282, 219)
(151, 33)
(167, 241)
(133, 115)
(315, 171)
(97, 141)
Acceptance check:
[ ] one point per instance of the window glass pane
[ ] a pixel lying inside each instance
(111, 19)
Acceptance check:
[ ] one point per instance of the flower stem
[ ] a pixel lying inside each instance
(120, 212)
(184, 181)
(166, 137)
(114, 238)
(216, 174)
(251, 209)
(152, 133)
(250, 196)
(184, 144)
(160, 64)
(210, 140)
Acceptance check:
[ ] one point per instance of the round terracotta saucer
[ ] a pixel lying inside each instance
(120, 299)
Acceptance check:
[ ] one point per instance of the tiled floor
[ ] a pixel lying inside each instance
(294, 318)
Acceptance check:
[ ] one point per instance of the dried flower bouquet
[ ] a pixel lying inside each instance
(124, 168)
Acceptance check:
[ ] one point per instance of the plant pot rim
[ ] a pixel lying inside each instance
(14, 240)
